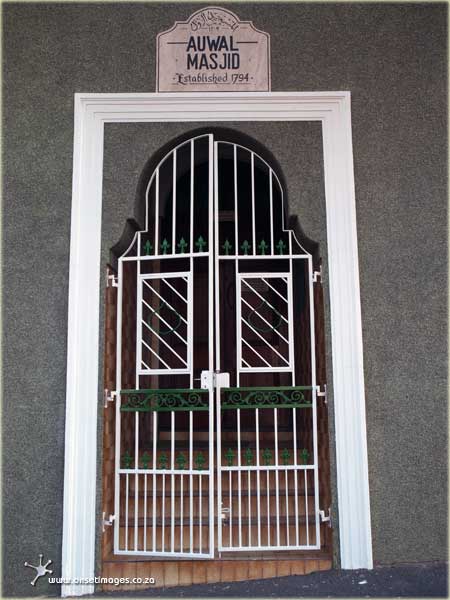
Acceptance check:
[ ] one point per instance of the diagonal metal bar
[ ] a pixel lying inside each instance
(174, 290)
(145, 364)
(263, 319)
(157, 356)
(257, 353)
(164, 300)
(164, 342)
(263, 299)
(164, 321)
(264, 340)
(274, 290)
(246, 363)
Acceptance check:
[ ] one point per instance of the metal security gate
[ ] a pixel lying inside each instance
(216, 423)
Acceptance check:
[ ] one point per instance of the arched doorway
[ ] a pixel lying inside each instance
(220, 437)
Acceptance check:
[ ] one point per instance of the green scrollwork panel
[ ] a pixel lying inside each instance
(164, 400)
(281, 397)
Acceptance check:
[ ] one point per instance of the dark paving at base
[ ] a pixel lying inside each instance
(401, 581)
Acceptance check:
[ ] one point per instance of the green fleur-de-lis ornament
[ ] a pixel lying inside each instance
(181, 461)
(148, 248)
(127, 460)
(200, 243)
(304, 455)
(163, 461)
(263, 247)
(199, 461)
(145, 460)
(182, 245)
(267, 456)
(245, 247)
(248, 456)
(227, 247)
(281, 246)
(229, 456)
(165, 246)
(285, 456)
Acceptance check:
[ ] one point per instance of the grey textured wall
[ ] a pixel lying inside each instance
(393, 58)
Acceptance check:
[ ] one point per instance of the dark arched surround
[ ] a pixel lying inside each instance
(223, 134)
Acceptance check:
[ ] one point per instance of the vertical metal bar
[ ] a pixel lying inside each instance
(290, 297)
(172, 481)
(157, 212)
(253, 204)
(306, 507)
(277, 489)
(191, 278)
(136, 477)
(118, 441)
(294, 430)
(230, 504)
(191, 499)
(191, 205)
(236, 274)
(200, 513)
(258, 480)
(126, 511)
(140, 293)
(287, 505)
(238, 420)
(238, 323)
(181, 512)
(217, 338)
(238, 349)
(272, 247)
(268, 505)
(163, 511)
(314, 399)
(174, 202)
(236, 214)
(249, 515)
(145, 513)
(211, 277)
(191, 379)
(155, 437)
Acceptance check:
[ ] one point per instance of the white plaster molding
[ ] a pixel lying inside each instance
(92, 111)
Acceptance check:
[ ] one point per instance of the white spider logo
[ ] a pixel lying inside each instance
(40, 569)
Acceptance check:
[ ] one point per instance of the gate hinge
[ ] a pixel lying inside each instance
(109, 397)
(107, 522)
(317, 274)
(325, 519)
(322, 393)
(111, 280)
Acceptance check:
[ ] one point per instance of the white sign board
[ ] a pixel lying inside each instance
(213, 51)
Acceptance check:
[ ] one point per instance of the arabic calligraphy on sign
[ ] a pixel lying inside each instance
(213, 51)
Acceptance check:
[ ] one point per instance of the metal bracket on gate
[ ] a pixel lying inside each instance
(225, 513)
(322, 394)
(112, 280)
(317, 274)
(214, 379)
(107, 522)
(325, 519)
(109, 397)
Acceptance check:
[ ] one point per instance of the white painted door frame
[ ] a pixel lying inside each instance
(92, 111)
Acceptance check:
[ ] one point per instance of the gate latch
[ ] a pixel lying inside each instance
(107, 522)
(214, 379)
(325, 519)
